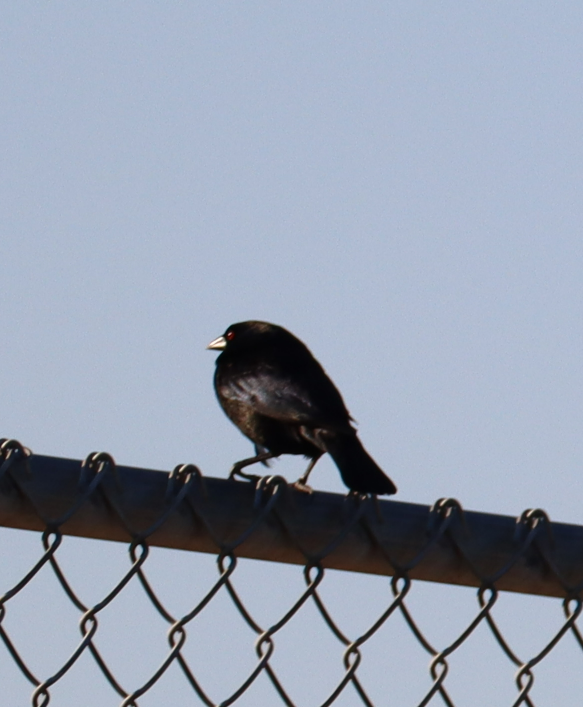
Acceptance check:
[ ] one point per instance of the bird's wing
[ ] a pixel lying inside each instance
(289, 399)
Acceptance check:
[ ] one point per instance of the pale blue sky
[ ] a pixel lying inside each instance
(398, 184)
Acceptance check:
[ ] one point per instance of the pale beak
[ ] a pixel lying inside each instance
(219, 343)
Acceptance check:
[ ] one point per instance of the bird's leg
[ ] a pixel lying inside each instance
(237, 466)
(313, 436)
(301, 483)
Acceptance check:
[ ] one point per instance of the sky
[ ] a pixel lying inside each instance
(399, 184)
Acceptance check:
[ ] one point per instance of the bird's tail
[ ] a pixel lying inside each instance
(358, 469)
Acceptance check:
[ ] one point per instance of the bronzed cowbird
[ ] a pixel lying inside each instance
(269, 384)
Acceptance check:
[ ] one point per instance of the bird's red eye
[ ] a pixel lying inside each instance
(230, 335)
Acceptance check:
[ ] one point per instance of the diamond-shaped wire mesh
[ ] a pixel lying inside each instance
(245, 632)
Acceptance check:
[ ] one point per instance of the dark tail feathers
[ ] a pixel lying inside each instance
(358, 469)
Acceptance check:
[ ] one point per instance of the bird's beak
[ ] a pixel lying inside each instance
(219, 343)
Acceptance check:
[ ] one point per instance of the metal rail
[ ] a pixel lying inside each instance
(276, 522)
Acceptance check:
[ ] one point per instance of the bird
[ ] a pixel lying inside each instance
(273, 389)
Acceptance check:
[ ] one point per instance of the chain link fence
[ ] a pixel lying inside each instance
(397, 544)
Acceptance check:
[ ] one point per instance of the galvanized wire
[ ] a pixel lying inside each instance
(186, 494)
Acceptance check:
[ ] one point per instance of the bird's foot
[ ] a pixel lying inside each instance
(236, 472)
(358, 496)
(299, 485)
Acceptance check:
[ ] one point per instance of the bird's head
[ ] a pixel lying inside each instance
(247, 335)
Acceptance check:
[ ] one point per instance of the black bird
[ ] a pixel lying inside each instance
(269, 384)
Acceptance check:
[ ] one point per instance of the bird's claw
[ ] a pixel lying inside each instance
(299, 485)
(236, 472)
(359, 496)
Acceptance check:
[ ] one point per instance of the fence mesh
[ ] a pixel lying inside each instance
(181, 643)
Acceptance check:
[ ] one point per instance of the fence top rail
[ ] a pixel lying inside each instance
(274, 521)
